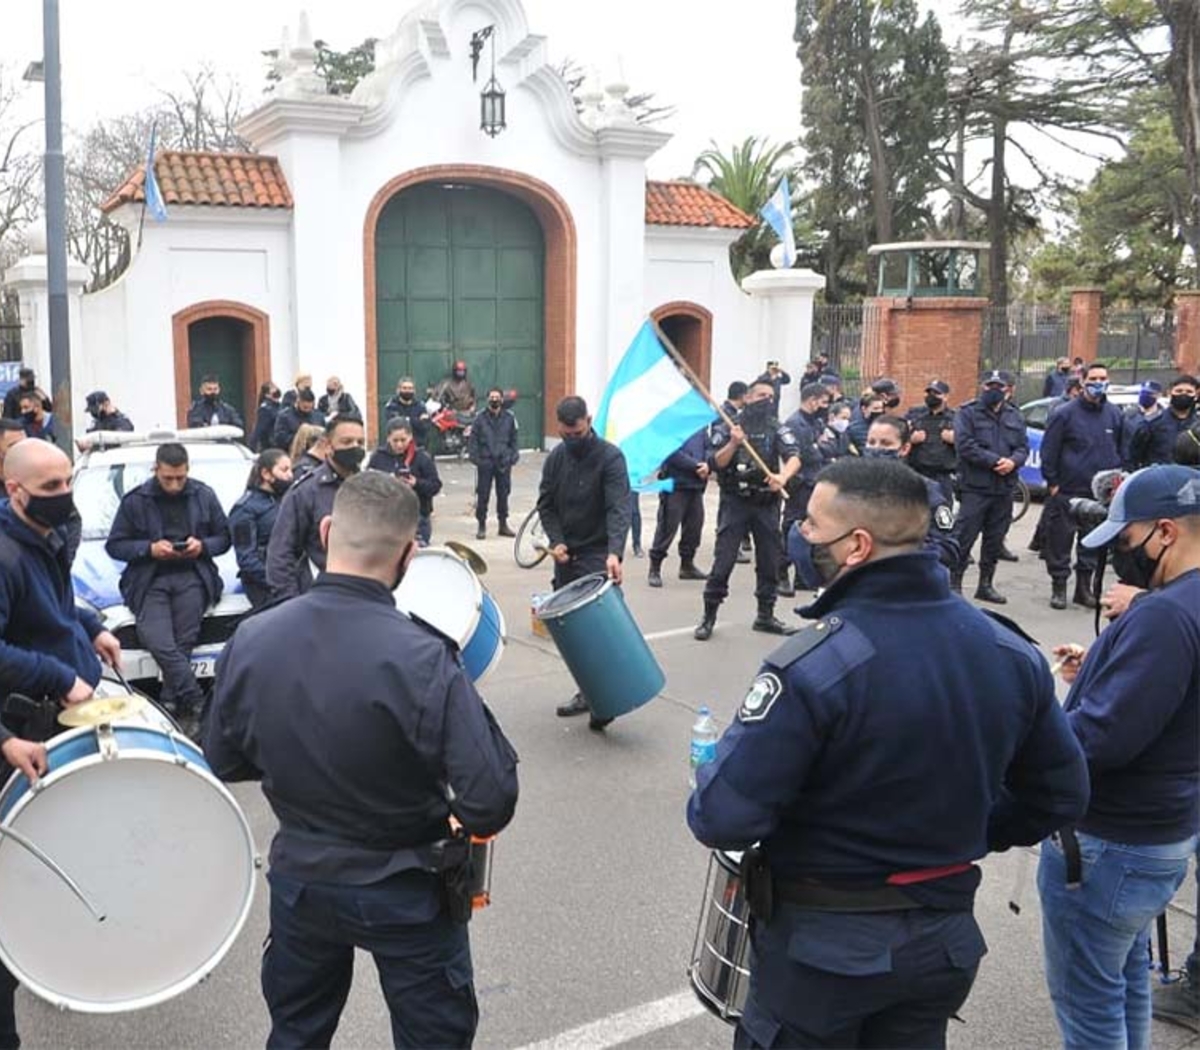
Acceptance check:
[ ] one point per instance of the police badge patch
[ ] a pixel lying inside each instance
(943, 517)
(762, 696)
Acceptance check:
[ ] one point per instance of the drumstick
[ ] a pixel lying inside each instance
(1073, 654)
(72, 885)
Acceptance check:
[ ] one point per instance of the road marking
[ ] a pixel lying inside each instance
(674, 632)
(628, 1024)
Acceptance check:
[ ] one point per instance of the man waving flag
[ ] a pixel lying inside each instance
(778, 214)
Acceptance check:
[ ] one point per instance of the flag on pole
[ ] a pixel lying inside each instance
(154, 201)
(778, 213)
(649, 409)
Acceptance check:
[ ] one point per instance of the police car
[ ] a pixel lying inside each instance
(112, 464)
(1036, 413)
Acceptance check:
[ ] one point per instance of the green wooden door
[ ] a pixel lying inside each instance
(216, 346)
(459, 276)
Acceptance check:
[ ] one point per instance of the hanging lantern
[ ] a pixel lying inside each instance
(491, 99)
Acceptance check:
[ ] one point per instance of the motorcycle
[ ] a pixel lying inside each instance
(453, 428)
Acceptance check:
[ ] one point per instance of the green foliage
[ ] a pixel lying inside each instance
(342, 70)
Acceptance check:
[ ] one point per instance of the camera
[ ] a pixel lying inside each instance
(1089, 513)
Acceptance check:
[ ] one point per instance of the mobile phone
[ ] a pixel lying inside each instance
(179, 545)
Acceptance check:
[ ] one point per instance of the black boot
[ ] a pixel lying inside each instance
(956, 582)
(688, 570)
(704, 628)
(1058, 594)
(577, 705)
(1083, 590)
(481, 532)
(766, 622)
(985, 592)
(504, 529)
(654, 576)
(1007, 555)
(783, 586)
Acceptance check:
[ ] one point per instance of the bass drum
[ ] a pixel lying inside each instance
(132, 826)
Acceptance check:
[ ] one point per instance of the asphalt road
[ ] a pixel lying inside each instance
(597, 884)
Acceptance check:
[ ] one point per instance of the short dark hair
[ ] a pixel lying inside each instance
(900, 426)
(495, 390)
(305, 394)
(399, 423)
(1183, 380)
(265, 389)
(1074, 383)
(1095, 364)
(342, 417)
(892, 496)
(172, 454)
(373, 512)
(869, 395)
(25, 373)
(570, 410)
(265, 460)
(736, 389)
(210, 377)
(811, 390)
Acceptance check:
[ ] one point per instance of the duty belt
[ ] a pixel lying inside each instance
(820, 896)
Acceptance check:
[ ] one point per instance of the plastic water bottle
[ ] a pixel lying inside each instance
(704, 743)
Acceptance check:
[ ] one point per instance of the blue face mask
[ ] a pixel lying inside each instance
(992, 396)
(1096, 389)
(1147, 399)
(881, 453)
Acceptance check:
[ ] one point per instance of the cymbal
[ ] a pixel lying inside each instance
(473, 558)
(102, 710)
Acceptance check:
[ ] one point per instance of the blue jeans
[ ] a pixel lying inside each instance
(1096, 938)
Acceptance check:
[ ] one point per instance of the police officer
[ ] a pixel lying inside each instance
(50, 649)
(252, 518)
(368, 749)
(263, 435)
(404, 403)
(105, 415)
(492, 447)
(293, 417)
(807, 424)
(208, 410)
(296, 537)
(777, 379)
(1154, 436)
(750, 500)
(682, 509)
(867, 937)
(933, 454)
(992, 444)
(1082, 437)
(583, 504)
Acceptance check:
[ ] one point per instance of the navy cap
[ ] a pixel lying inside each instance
(996, 376)
(1151, 494)
(1152, 386)
(830, 379)
(938, 387)
(96, 397)
(884, 386)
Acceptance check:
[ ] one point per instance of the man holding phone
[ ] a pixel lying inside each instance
(168, 530)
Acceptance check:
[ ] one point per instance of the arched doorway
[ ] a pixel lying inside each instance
(689, 327)
(227, 339)
(471, 263)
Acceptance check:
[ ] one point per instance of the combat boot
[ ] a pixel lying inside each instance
(783, 586)
(688, 570)
(654, 576)
(985, 592)
(1058, 594)
(767, 622)
(504, 529)
(704, 628)
(1083, 590)
(956, 582)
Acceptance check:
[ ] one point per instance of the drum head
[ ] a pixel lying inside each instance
(160, 848)
(574, 595)
(440, 589)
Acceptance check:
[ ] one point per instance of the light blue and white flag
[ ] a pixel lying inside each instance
(778, 214)
(154, 201)
(649, 409)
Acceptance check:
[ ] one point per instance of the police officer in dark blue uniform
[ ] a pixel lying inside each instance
(863, 932)
(252, 518)
(750, 499)
(492, 447)
(807, 424)
(992, 444)
(366, 749)
(933, 453)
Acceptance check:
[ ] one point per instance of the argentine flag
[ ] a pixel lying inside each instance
(154, 201)
(649, 409)
(778, 213)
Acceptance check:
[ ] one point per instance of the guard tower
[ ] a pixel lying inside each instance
(927, 269)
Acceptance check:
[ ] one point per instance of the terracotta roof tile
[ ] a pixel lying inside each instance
(237, 180)
(686, 204)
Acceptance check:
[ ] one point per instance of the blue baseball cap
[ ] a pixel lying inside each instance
(1151, 494)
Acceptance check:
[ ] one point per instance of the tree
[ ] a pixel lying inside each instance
(20, 171)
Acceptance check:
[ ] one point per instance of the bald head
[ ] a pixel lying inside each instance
(35, 471)
(373, 527)
(28, 460)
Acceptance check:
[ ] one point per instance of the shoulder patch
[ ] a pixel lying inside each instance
(786, 436)
(804, 642)
(764, 691)
(943, 517)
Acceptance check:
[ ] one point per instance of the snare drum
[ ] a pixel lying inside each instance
(440, 588)
(132, 814)
(720, 967)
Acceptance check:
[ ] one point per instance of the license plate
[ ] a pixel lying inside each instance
(204, 666)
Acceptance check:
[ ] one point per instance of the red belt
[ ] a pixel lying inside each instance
(909, 878)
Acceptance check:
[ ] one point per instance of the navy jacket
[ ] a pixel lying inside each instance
(1055, 384)
(138, 523)
(367, 744)
(201, 414)
(113, 421)
(295, 540)
(289, 421)
(681, 464)
(493, 440)
(933, 455)
(1135, 707)
(263, 436)
(251, 520)
(983, 438)
(45, 639)
(846, 772)
(417, 464)
(1082, 438)
(1153, 440)
(414, 412)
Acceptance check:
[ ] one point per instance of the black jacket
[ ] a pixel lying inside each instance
(983, 437)
(681, 465)
(12, 401)
(1082, 438)
(933, 455)
(345, 406)
(263, 436)
(201, 414)
(289, 421)
(417, 464)
(414, 412)
(138, 523)
(366, 745)
(493, 440)
(251, 520)
(113, 421)
(583, 501)
(295, 540)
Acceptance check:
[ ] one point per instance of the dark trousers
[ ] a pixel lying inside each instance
(308, 965)
(681, 509)
(830, 994)
(989, 513)
(168, 624)
(635, 520)
(424, 530)
(9, 1040)
(1059, 534)
(583, 562)
(485, 475)
(258, 593)
(738, 516)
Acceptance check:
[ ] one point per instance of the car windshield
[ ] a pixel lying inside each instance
(1037, 414)
(99, 489)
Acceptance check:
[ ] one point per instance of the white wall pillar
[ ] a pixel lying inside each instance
(785, 304)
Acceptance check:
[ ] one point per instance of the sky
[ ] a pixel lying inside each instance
(729, 73)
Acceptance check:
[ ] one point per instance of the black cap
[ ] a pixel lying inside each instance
(996, 375)
(938, 387)
(885, 386)
(96, 398)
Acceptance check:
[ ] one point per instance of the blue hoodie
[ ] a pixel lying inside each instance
(1082, 438)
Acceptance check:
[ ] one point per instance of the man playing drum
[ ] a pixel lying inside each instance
(864, 932)
(50, 650)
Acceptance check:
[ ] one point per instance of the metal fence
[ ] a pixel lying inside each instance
(848, 334)
(10, 326)
(1137, 345)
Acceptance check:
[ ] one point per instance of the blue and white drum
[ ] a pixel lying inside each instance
(132, 826)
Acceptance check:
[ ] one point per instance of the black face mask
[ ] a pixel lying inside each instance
(29, 417)
(578, 444)
(401, 570)
(825, 564)
(933, 401)
(494, 406)
(991, 398)
(51, 511)
(332, 391)
(1135, 567)
(1064, 370)
(348, 460)
(280, 485)
(405, 399)
(1183, 402)
(211, 398)
(756, 413)
(881, 453)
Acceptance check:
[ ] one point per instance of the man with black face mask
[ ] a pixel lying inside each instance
(933, 454)
(50, 649)
(26, 384)
(404, 403)
(208, 410)
(492, 447)
(296, 537)
(1134, 706)
(1153, 438)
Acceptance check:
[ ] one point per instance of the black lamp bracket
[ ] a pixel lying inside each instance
(478, 39)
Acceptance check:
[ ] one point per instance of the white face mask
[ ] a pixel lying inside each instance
(839, 426)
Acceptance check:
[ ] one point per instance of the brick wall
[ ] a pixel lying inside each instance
(1187, 332)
